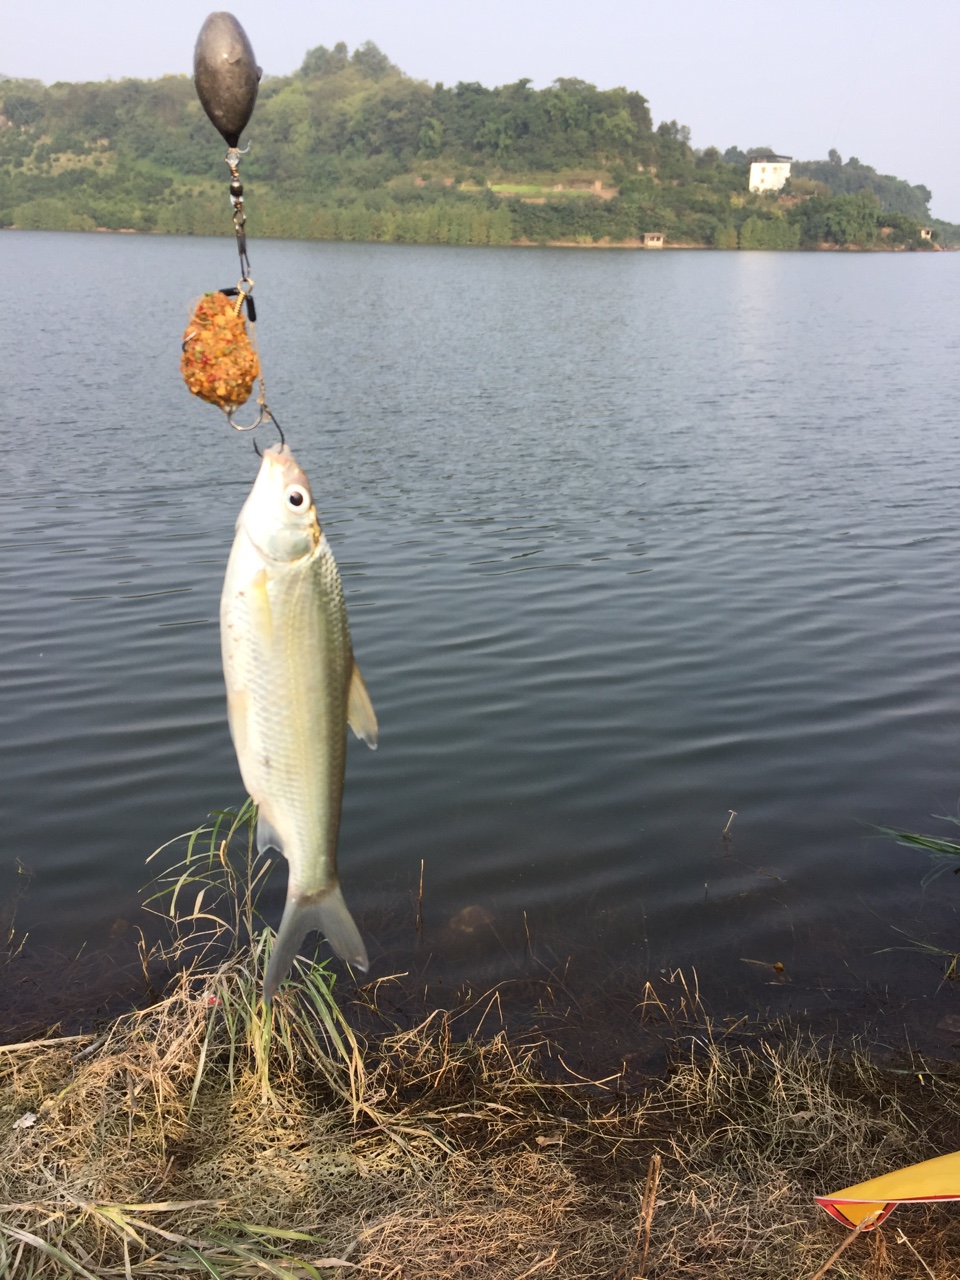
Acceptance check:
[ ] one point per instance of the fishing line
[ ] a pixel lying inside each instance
(220, 362)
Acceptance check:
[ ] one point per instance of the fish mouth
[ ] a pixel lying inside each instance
(279, 456)
(274, 452)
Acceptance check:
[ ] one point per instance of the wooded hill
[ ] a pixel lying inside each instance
(350, 148)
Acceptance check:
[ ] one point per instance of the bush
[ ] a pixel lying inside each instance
(48, 213)
(769, 233)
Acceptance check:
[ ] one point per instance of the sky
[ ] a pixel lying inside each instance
(876, 79)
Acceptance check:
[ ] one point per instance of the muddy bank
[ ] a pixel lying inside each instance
(896, 1002)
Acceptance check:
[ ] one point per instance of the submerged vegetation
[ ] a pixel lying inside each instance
(350, 148)
(944, 853)
(350, 1135)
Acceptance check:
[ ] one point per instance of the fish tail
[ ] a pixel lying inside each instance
(330, 915)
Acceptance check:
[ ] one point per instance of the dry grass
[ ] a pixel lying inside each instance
(206, 1137)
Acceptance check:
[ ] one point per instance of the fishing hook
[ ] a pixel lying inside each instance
(269, 416)
(264, 415)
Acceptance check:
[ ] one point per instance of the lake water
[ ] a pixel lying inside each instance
(628, 541)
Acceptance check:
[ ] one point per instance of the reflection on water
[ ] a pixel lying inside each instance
(628, 541)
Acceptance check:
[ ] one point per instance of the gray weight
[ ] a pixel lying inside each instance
(226, 75)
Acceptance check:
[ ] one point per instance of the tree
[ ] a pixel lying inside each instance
(769, 233)
(324, 62)
(855, 178)
(430, 138)
(22, 109)
(369, 59)
(678, 132)
(851, 219)
(336, 147)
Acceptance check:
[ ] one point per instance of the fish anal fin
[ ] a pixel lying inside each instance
(361, 716)
(267, 835)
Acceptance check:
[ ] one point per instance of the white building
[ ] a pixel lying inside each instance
(769, 173)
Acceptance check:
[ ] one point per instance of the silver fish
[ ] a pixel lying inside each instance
(292, 689)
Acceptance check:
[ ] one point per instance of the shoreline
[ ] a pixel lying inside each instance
(455, 1144)
(45, 992)
(605, 243)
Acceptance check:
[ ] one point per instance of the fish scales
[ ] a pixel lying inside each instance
(292, 687)
(297, 703)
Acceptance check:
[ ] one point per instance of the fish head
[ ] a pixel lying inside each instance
(279, 517)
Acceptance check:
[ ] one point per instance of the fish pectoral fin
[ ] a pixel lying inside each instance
(361, 716)
(267, 835)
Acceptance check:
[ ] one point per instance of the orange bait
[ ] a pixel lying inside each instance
(219, 363)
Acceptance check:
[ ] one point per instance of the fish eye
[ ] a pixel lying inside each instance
(297, 497)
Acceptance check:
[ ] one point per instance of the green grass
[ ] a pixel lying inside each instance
(945, 853)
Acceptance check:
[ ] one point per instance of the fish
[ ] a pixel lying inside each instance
(293, 687)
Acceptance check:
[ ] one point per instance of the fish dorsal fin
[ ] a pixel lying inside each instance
(361, 716)
(267, 836)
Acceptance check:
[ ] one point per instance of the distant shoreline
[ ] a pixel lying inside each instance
(630, 245)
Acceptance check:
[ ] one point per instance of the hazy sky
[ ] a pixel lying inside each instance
(873, 78)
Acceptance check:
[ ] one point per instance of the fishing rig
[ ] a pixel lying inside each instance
(219, 360)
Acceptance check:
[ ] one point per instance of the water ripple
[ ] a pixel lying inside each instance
(627, 543)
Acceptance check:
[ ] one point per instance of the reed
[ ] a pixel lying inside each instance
(944, 857)
(208, 1136)
(944, 853)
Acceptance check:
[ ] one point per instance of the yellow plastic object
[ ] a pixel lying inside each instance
(219, 363)
(924, 1183)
